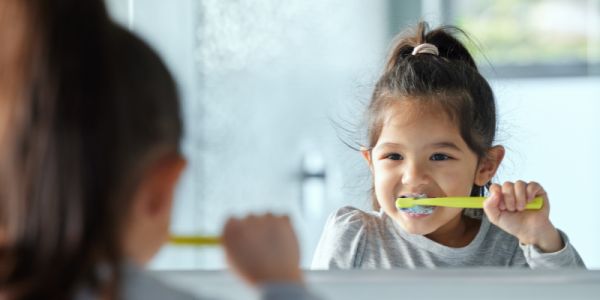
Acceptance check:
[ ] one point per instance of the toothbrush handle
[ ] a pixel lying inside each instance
(471, 202)
(536, 203)
(194, 240)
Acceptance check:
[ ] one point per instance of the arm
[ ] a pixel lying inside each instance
(566, 257)
(543, 245)
(342, 242)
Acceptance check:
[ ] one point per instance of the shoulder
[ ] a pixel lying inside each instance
(343, 241)
(352, 219)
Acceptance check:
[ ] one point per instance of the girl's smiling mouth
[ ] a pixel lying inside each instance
(417, 211)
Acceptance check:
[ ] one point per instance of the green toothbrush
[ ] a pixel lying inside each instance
(460, 202)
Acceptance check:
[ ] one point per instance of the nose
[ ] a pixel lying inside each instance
(414, 175)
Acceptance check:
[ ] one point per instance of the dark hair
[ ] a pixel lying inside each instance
(98, 104)
(449, 80)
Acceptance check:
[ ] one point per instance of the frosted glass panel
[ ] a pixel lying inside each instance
(262, 84)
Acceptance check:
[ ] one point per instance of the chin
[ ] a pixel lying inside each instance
(415, 228)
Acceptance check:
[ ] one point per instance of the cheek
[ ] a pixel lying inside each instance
(385, 172)
(384, 180)
(456, 181)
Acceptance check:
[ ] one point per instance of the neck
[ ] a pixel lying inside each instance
(457, 233)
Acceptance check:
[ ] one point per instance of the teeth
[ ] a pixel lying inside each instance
(414, 195)
(417, 209)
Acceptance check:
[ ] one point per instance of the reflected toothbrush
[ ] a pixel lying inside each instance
(458, 202)
(194, 240)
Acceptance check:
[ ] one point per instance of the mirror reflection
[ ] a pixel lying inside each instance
(283, 112)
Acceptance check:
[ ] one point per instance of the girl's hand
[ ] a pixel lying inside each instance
(505, 208)
(262, 249)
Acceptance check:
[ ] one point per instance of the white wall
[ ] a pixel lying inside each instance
(551, 129)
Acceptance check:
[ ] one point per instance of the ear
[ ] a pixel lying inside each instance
(366, 154)
(488, 165)
(154, 194)
(149, 217)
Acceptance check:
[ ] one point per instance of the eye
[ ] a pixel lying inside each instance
(439, 157)
(393, 156)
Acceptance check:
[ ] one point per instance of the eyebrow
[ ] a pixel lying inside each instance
(444, 144)
(450, 145)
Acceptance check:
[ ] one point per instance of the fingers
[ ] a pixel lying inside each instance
(505, 208)
(262, 248)
(520, 189)
(513, 197)
(238, 229)
(491, 206)
(534, 189)
(508, 192)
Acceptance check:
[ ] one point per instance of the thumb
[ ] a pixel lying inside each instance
(491, 205)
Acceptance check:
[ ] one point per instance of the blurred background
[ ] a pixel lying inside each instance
(272, 89)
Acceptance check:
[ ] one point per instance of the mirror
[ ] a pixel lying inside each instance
(269, 88)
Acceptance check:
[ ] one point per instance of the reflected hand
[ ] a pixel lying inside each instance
(262, 249)
(505, 208)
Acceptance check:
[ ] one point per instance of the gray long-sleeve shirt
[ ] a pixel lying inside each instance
(353, 238)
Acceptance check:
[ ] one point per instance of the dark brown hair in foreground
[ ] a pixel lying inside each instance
(92, 104)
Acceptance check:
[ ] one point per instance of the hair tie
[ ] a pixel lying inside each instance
(426, 48)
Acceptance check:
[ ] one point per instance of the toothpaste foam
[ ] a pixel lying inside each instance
(418, 209)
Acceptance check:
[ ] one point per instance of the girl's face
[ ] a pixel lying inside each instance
(420, 151)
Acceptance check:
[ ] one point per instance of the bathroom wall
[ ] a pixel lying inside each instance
(551, 129)
(269, 88)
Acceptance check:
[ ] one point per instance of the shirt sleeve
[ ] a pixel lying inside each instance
(343, 241)
(567, 257)
(287, 291)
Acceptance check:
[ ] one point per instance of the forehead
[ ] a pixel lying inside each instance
(418, 122)
(412, 112)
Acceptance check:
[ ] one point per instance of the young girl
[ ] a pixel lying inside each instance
(90, 159)
(431, 127)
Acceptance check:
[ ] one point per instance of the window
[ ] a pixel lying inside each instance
(536, 38)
